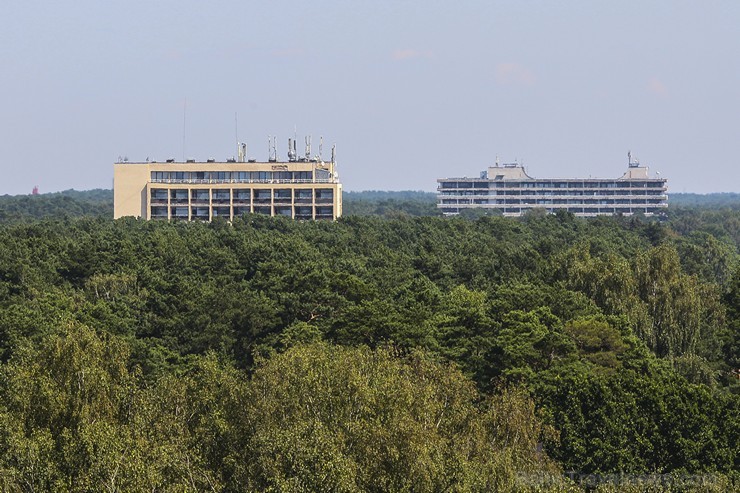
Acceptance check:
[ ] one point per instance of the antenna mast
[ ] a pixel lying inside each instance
(632, 163)
(184, 119)
(272, 148)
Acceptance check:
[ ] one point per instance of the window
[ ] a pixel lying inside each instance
(220, 195)
(159, 212)
(282, 194)
(200, 195)
(303, 195)
(222, 212)
(159, 195)
(303, 213)
(242, 195)
(200, 213)
(179, 196)
(324, 195)
(179, 212)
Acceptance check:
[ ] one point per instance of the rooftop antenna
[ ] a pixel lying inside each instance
(497, 162)
(272, 145)
(308, 148)
(242, 148)
(184, 119)
(321, 148)
(632, 163)
(290, 150)
(333, 153)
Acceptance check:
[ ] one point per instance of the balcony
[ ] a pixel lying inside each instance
(179, 213)
(284, 211)
(200, 214)
(200, 196)
(221, 197)
(224, 212)
(159, 212)
(242, 196)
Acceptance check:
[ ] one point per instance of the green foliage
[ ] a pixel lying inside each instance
(74, 416)
(70, 203)
(642, 422)
(325, 418)
(623, 331)
(389, 204)
(709, 200)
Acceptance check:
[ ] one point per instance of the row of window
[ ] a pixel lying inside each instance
(555, 201)
(555, 184)
(540, 193)
(229, 176)
(589, 211)
(207, 213)
(183, 195)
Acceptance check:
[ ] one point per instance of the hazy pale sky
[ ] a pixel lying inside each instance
(409, 90)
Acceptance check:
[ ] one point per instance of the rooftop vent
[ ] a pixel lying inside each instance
(171, 160)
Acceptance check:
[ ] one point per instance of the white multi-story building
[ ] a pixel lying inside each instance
(511, 191)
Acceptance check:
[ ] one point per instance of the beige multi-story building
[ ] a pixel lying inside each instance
(300, 188)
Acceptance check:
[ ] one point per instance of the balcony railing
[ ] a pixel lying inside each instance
(238, 180)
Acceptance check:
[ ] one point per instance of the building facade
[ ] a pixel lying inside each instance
(509, 190)
(300, 189)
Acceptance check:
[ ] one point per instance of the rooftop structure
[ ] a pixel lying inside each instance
(509, 190)
(303, 187)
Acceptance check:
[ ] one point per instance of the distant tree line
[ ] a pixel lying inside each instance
(99, 203)
(70, 203)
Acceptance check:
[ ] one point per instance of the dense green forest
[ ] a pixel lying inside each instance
(392, 353)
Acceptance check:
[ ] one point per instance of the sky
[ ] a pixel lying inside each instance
(409, 90)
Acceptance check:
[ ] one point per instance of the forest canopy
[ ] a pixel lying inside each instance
(374, 353)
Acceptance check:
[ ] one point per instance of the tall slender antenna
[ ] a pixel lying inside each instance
(321, 148)
(184, 119)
